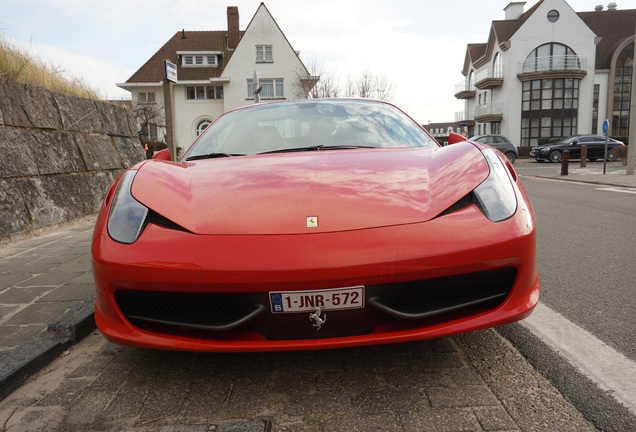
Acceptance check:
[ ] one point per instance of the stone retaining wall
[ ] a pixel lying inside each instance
(58, 155)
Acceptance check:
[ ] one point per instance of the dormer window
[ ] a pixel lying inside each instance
(264, 54)
(199, 59)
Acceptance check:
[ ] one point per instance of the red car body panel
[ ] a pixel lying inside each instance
(254, 242)
(376, 187)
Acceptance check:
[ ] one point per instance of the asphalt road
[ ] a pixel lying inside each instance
(586, 256)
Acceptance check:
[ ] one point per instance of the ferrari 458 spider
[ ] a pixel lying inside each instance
(313, 224)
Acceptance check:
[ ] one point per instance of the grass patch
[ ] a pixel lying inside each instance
(21, 66)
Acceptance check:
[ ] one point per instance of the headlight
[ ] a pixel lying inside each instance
(127, 215)
(545, 150)
(496, 196)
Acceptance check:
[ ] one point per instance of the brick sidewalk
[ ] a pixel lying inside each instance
(46, 295)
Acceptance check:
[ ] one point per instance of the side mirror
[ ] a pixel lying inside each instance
(163, 155)
(454, 138)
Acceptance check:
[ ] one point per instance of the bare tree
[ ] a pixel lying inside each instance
(367, 85)
(382, 88)
(148, 116)
(318, 83)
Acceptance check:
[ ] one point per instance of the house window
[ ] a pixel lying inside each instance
(497, 67)
(270, 89)
(202, 125)
(495, 128)
(553, 16)
(146, 97)
(622, 91)
(204, 92)
(551, 56)
(264, 54)
(595, 99)
(199, 60)
(549, 109)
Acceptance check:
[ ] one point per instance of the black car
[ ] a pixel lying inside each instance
(595, 148)
(499, 142)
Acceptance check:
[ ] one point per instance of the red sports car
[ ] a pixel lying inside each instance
(313, 224)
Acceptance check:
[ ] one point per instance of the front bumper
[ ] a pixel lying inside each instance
(415, 259)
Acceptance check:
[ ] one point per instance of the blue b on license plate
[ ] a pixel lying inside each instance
(308, 301)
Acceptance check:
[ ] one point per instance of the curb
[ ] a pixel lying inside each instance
(576, 180)
(29, 357)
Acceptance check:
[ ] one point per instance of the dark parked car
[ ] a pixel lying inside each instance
(499, 142)
(595, 148)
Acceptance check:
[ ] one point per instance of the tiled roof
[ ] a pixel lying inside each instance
(152, 70)
(477, 50)
(614, 27)
(504, 29)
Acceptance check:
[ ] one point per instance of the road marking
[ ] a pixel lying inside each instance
(608, 368)
(614, 189)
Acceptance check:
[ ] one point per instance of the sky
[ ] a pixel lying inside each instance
(417, 45)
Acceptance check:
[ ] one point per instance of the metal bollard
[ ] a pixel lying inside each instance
(583, 156)
(565, 162)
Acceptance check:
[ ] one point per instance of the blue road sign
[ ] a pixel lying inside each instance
(605, 127)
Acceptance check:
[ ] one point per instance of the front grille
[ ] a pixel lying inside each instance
(216, 315)
(195, 310)
(426, 298)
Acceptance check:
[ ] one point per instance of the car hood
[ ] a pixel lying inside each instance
(341, 189)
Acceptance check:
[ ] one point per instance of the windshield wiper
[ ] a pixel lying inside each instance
(317, 148)
(213, 156)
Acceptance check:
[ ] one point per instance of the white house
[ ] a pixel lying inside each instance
(550, 72)
(215, 71)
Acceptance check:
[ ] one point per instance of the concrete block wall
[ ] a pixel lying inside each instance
(58, 155)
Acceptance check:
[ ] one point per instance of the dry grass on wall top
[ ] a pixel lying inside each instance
(20, 66)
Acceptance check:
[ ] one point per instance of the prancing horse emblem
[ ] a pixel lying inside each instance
(315, 318)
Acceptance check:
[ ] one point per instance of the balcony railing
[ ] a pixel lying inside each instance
(553, 63)
(494, 72)
(465, 90)
(489, 112)
(463, 86)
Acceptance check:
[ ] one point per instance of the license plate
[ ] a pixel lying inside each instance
(308, 301)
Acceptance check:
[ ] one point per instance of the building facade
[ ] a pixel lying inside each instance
(215, 73)
(550, 72)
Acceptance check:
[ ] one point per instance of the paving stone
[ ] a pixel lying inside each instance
(23, 295)
(75, 292)
(390, 400)
(475, 396)
(16, 278)
(66, 393)
(356, 422)
(303, 404)
(205, 399)
(407, 378)
(455, 420)
(495, 419)
(40, 313)
(165, 398)
(88, 409)
(436, 360)
(243, 426)
(13, 335)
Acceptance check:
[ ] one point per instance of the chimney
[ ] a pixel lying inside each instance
(232, 27)
(611, 6)
(514, 10)
(598, 8)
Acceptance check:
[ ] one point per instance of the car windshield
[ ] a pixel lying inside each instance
(309, 125)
